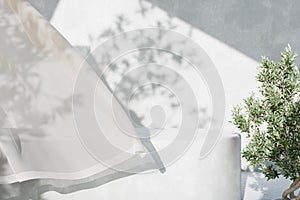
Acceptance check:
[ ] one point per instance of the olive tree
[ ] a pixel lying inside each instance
(271, 119)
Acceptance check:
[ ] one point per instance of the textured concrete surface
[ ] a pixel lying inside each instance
(234, 33)
(256, 187)
(254, 27)
(45, 7)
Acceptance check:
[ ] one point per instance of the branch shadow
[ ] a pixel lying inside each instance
(20, 87)
(260, 186)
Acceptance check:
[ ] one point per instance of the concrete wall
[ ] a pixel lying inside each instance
(233, 33)
(254, 27)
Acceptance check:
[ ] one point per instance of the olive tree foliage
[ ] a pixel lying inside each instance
(271, 118)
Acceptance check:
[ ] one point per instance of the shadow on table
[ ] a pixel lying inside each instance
(255, 185)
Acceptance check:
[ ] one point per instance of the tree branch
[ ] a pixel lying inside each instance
(290, 191)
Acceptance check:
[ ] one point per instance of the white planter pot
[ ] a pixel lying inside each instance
(215, 177)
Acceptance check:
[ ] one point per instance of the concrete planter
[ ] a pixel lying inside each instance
(215, 177)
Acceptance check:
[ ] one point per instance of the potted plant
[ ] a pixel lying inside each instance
(271, 119)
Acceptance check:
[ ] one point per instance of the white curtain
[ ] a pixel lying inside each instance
(42, 147)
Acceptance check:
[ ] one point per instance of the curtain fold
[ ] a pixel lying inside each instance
(41, 146)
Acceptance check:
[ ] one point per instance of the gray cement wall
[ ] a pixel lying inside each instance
(254, 27)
